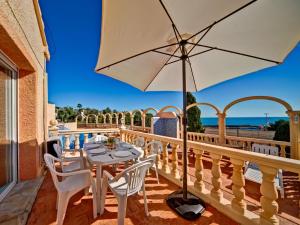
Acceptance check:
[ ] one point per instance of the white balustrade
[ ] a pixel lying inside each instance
(237, 208)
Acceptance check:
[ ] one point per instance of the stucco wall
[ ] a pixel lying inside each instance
(21, 41)
(50, 113)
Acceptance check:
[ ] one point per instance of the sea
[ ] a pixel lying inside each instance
(242, 121)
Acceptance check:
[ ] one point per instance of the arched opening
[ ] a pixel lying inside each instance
(127, 116)
(101, 118)
(175, 109)
(120, 116)
(107, 118)
(207, 113)
(114, 118)
(149, 113)
(137, 117)
(92, 118)
(80, 119)
(256, 117)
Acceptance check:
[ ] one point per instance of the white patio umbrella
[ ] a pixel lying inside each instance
(175, 45)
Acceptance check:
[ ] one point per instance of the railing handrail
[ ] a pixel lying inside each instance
(257, 140)
(90, 130)
(203, 134)
(277, 162)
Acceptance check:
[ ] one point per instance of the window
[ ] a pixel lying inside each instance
(8, 126)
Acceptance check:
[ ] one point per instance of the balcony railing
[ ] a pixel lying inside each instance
(244, 143)
(237, 208)
(69, 136)
(240, 142)
(203, 146)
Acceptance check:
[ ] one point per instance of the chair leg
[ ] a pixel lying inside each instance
(103, 195)
(57, 199)
(95, 204)
(156, 174)
(86, 191)
(62, 208)
(122, 205)
(145, 201)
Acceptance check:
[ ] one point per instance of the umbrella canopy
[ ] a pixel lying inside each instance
(227, 39)
(147, 43)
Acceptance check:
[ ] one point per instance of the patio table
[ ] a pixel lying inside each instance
(109, 158)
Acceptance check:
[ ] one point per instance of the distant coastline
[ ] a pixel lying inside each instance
(241, 121)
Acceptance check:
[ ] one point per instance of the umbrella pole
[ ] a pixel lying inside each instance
(184, 122)
(184, 203)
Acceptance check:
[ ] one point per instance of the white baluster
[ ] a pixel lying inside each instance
(269, 196)
(238, 182)
(216, 192)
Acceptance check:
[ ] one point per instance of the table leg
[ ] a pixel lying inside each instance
(99, 185)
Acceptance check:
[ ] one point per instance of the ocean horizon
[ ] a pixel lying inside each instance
(242, 121)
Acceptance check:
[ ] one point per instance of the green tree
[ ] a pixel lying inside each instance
(106, 110)
(79, 106)
(282, 130)
(66, 114)
(193, 116)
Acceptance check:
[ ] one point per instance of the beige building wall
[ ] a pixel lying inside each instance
(50, 113)
(23, 40)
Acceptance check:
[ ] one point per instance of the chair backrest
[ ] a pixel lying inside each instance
(58, 150)
(155, 147)
(139, 142)
(135, 175)
(98, 138)
(152, 157)
(274, 150)
(50, 162)
(265, 149)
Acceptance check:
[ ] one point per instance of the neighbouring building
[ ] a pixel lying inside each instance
(23, 92)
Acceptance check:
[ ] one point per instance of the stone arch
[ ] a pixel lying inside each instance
(206, 104)
(124, 116)
(115, 115)
(150, 109)
(270, 98)
(80, 116)
(147, 120)
(109, 117)
(120, 118)
(91, 115)
(133, 113)
(103, 117)
(178, 110)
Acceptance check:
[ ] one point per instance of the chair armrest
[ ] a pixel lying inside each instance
(67, 174)
(71, 159)
(108, 175)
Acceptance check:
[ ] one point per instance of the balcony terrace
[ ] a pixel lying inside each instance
(216, 174)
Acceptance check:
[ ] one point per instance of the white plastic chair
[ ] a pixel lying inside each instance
(139, 142)
(98, 138)
(155, 148)
(125, 184)
(72, 183)
(68, 164)
(253, 173)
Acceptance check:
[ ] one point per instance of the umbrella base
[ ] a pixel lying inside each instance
(190, 208)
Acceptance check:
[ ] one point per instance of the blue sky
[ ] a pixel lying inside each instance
(73, 34)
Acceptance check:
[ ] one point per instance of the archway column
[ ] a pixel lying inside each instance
(143, 121)
(222, 128)
(110, 118)
(181, 125)
(131, 121)
(294, 133)
(117, 119)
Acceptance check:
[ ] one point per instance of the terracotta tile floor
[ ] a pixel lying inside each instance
(79, 210)
(80, 207)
